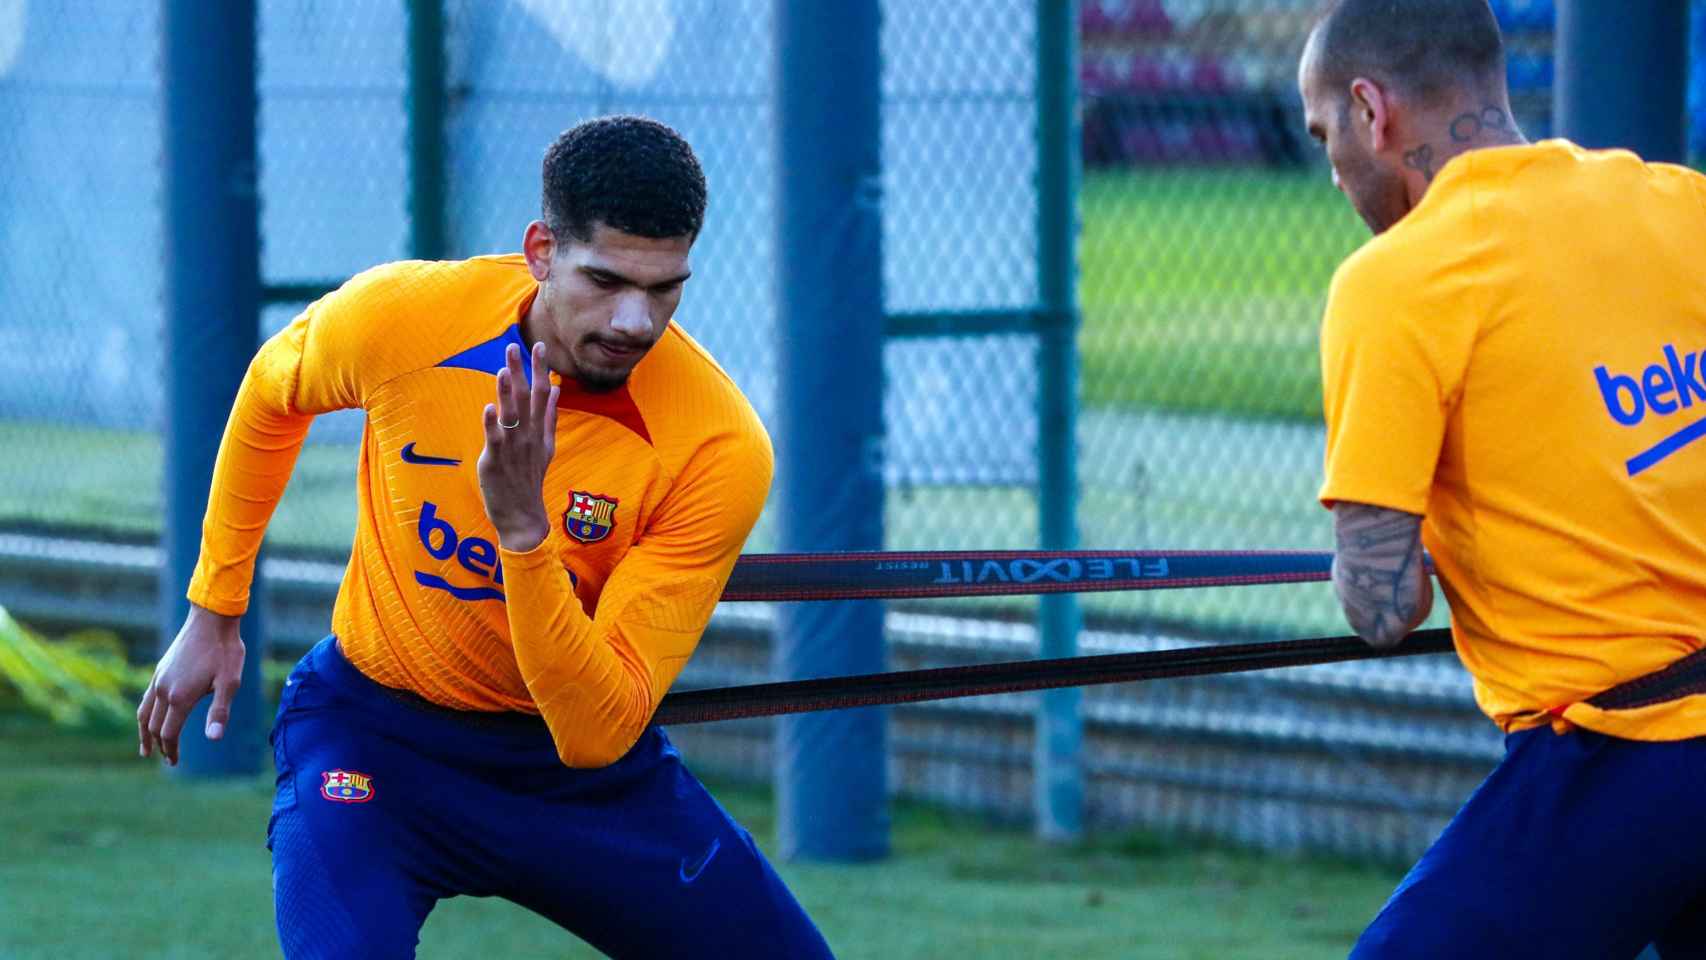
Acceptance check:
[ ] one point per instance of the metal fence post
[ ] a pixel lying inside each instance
(831, 768)
(429, 227)
(1060, 729)
(1623, 76)
(213, 290)
(1622, 81)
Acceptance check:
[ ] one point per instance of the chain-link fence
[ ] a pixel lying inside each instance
(1209, 233)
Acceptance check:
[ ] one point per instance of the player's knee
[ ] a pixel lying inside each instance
(1434, 931)
(314, 928)
(1376, 943)
(328, 910)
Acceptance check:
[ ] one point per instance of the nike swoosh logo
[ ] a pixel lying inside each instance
(690, 871)
(410, 456)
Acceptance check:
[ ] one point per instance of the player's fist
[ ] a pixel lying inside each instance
(205, 657)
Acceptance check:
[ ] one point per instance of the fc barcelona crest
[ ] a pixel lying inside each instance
(590, 517)
(346, 786)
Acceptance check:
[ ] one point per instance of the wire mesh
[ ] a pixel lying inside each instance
(79, 201)
(1209, 233)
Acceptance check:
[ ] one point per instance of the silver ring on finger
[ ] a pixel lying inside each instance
(510, 426)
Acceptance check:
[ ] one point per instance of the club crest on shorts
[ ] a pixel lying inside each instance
(346, 786)
(590, 517)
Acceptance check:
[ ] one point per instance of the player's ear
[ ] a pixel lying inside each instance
(538, 245)
(1371, 113)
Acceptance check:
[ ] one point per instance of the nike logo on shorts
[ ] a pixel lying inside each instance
(410, 456)
(690, 870)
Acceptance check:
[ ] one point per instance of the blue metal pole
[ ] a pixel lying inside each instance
(428, 103)
(1059, 757)
(1622, 81)
(831, 776)
(213, 292)
(1623, 76)
(1697, 84)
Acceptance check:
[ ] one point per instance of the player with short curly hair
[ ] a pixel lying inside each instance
(555, 483)
(631, 173)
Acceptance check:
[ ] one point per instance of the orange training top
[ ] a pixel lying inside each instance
(653, 490)
(1522, 360)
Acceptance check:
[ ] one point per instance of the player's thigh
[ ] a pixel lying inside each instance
(1554, 855)
(715, 898)
(347, 877)
(664, 871)
(334, 901)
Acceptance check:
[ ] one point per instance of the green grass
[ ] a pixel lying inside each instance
(105, 856)
(1202, 289)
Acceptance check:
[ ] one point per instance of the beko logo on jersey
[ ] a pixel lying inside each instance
(477, 555)
(1662, 389)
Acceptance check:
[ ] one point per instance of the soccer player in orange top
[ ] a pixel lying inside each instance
(555, 483)
(1515, 376)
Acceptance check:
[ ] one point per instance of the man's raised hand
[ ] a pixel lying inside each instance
(521, 438)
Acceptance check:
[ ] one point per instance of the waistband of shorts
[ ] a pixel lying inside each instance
(413, 711)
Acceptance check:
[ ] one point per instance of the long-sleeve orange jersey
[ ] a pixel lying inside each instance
(652, 493)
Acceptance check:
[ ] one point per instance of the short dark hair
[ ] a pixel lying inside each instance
(1427, 49)
(630, 173)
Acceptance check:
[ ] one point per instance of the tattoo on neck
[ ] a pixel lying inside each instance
(1471, 124)
(1465, 128)
(1421, 160)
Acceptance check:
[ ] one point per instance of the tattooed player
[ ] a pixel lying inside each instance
(1515, 376)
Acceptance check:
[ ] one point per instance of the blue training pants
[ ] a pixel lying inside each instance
(1577, 846)
(384, 807)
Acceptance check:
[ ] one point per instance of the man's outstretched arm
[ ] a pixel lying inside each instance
(313, 365)
(1378, 571)
(256, 457)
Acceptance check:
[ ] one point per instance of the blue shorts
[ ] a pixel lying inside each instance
(386, 806)
(1577, 845)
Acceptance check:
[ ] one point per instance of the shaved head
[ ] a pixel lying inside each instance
(1393, 89)
(1429, 51)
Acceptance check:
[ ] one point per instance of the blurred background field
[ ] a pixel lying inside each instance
(1201, 292)
(1217, 272)
(1220, 272)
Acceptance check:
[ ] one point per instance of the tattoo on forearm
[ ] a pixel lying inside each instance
(1421, 160)
(1377, 571)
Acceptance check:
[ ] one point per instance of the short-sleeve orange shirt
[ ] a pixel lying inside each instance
(1522, 360)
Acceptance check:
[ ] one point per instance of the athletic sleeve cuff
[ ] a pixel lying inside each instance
(201, 596)
(1334, 493)
(541, 556)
